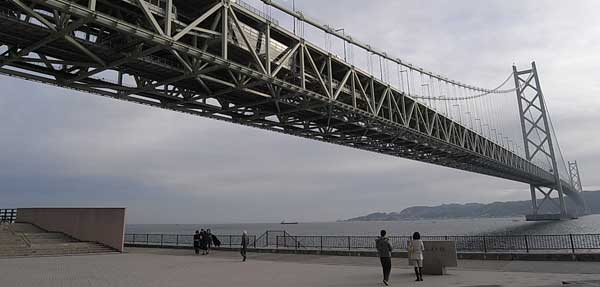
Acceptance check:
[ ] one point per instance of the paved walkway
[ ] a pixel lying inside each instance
(147, 268)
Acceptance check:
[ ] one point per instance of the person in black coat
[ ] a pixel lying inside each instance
(216, 242)
(209, 240)
(244, 245)
(197, 242)
(203, 242)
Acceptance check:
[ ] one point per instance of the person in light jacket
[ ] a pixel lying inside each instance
(415, 253)
(384, 250)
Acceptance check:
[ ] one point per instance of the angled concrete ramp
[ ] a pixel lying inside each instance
(25, 240)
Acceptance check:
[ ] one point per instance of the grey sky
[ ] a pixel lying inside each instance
(63, 148)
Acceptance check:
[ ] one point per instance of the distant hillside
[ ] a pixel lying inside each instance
(469, 210)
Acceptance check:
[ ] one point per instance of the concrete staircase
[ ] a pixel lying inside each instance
(22, 240)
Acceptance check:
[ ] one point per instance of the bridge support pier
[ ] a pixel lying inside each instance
(537, 213)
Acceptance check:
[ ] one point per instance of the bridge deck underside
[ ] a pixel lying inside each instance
(189, 76)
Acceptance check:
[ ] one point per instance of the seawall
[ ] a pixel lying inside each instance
(589, 257)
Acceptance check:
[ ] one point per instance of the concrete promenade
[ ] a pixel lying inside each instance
(166, 267)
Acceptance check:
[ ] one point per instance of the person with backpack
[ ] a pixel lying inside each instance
(384, 250)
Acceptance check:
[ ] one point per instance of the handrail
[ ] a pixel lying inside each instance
(464, 243)
(8, 215)
(25, 239)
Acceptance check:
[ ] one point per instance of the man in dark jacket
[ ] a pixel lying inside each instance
(244, 245)
(203, 242)
(216, 242)
(384, 250)
(197, 242)
(209, 240)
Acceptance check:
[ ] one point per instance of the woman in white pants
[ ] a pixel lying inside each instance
(415, 253)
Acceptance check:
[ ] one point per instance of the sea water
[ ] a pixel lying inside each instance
(476, 226)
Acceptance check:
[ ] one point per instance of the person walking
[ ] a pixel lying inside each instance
(197, 242)
(384, 250)
(244, 245)
(415, 254)
(203, 242)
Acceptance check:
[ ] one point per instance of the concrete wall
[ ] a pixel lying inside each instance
(102, 225)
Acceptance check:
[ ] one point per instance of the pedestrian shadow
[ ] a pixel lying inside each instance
(404, 276)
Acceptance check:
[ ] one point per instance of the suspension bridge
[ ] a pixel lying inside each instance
(263, 64)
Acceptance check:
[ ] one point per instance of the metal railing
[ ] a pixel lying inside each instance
(176, 240)
(484, 244)
(570, 243)
(273, 237)
(8, 215)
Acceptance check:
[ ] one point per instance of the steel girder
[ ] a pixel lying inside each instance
(220, 60)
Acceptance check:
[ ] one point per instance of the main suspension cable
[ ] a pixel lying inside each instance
(493, 91)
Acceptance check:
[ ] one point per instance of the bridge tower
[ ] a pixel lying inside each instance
(538, 141)
(575, 178)
(576, 182)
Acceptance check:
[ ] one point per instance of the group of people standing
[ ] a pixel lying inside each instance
(415, 255)
(204, 240)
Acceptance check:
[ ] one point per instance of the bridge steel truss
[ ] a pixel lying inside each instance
(219, 59)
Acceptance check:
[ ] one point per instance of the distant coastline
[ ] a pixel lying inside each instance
(469, 210)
